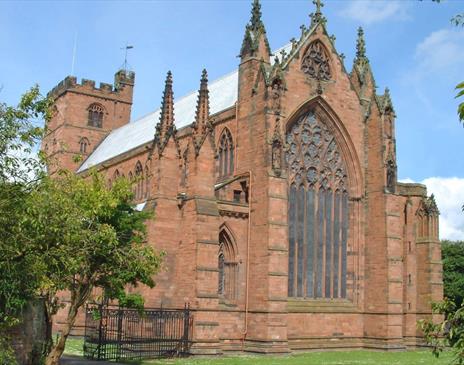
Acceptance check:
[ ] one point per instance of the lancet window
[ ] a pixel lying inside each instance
(147, 181)
(138, 181)
(317, 211)
(227, 266)
(226, 154)
(95, 118)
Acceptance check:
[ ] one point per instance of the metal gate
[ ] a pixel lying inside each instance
(113, 333)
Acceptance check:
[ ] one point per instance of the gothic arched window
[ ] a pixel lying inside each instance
(427, 218)
(316, 62)
(227, 266)
(116, 174)
(226, 154)
(139, 180)
(317, 211)
(95, 118)
(83, 144)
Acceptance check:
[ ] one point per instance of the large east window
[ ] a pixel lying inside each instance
(317, 211)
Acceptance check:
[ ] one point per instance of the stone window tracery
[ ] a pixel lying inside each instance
(318, 211)
(226, 154)
(316, 62)
(95, 117)
(228, 267)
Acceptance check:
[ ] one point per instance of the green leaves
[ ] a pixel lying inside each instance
(453, 270)
(450, 331)
(20, 133)
(460, 87)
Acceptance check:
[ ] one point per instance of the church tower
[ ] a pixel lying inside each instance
(83, 115)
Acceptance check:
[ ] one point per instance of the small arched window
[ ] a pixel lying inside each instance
(116, 174)
(226, 154)
(96, 112)
(139, 181)
(227, 267)
(83, 145)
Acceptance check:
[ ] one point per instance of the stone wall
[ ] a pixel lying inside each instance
(29, 337)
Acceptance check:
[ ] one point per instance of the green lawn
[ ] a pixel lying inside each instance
(361, 357)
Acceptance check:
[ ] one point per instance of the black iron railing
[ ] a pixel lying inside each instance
(113, 333)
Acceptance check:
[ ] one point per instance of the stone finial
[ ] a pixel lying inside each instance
(360, 46)
(167, 106)
(431, 205)
(317, 17)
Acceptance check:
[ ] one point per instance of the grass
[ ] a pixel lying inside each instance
(74, 346)
(354, 357)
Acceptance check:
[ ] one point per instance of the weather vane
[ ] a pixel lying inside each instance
(126, 48)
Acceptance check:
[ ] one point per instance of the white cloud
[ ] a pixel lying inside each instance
(449, 195)
(375, 11)
(440, 50)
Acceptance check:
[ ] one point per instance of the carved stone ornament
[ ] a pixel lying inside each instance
(316, 62)
(313, 156)
(391, 176)
(277, 149)
(276, 93)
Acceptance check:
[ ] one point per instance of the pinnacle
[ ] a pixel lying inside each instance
(255, 21)
(169, 78)
(360, 45)
(204, 78)
(167, 107)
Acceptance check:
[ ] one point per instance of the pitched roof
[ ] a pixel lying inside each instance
(222, 95)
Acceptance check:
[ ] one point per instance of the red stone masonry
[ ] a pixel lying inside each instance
(393, 258)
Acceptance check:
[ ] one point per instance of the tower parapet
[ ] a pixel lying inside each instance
(84, 115)
(122, 89)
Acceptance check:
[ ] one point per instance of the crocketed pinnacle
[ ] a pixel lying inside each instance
(167, 106)
(202, 112)
(256, 22)
(254, 31)
(361, 46)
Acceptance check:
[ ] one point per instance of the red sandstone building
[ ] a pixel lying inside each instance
(275, 197)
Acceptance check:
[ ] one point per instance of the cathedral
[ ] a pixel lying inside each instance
(275, 197)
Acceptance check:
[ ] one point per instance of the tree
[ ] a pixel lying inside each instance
(20, 170)
(20, 133)
(448, 333)
(453, 270)
(82, 235)
(460, 87)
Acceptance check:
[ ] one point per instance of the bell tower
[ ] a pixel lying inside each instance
(83, 115)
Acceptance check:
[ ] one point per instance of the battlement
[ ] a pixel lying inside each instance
(122, 78)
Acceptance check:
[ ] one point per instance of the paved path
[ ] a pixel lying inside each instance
(75, 360)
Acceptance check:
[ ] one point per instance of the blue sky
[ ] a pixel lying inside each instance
(412, 46)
